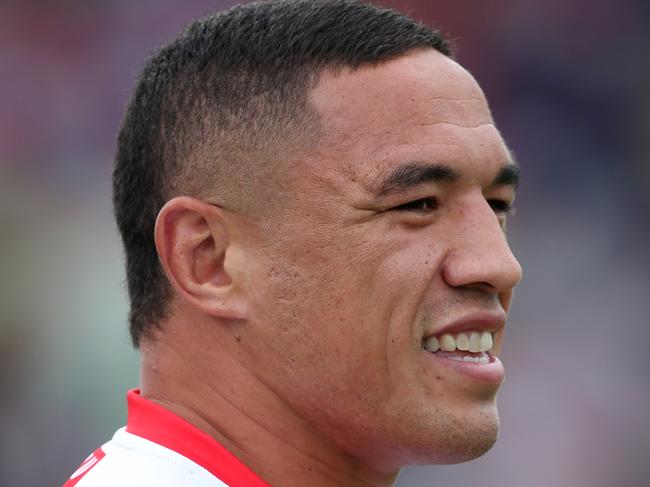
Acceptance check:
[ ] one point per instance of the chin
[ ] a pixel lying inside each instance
(470, 450)
(472, 440)
(453, 439)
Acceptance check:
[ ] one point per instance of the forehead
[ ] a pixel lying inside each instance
(419, 107)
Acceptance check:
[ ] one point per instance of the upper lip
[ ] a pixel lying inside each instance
(481, 321)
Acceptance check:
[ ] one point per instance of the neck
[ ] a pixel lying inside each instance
(224, 399)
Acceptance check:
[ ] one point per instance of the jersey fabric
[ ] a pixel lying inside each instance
(159, 448)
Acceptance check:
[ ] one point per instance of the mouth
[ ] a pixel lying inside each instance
(471, 347)
(468, 349)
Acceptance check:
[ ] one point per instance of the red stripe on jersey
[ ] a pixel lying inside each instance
(155, 423)
(85, 467)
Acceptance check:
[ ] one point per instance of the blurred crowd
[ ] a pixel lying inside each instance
(569, 86)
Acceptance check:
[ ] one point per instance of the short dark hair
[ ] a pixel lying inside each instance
(229, 84)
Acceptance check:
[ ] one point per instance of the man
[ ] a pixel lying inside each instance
(312, 198)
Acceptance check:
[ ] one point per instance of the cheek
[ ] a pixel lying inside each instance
(322, 324)
(350, 292)
(342, 306)
(301, 308)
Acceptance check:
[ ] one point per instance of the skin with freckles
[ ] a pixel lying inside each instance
(295, 339)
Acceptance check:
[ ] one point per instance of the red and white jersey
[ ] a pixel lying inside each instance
(159, 448)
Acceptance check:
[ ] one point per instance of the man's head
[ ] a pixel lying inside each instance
(218, 111)
(348, 192)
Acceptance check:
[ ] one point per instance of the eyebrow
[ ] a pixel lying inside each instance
(508, 176)
(414, 174)
(417, 173)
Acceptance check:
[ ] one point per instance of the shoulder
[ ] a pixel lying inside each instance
(131, 461)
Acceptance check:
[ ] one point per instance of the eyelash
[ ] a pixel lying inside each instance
(501, 206)
(417, 205)
(423, 205)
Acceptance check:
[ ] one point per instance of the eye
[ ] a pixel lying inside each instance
(501, 207)
(423, 205)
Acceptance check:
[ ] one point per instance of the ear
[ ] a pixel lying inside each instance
(193, 244)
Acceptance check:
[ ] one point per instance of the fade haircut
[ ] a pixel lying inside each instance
(215, 110)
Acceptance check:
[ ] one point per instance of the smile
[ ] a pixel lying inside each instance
(471, 346)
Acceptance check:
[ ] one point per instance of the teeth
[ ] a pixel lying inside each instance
(481, 359)
(486, 341)
(432, 344)
(469, 342)
(447, 343)
(462, 341)
(474, 341)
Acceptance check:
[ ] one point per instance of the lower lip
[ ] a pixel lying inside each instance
(491, 373)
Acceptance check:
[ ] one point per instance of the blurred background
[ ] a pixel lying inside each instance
(569, 85)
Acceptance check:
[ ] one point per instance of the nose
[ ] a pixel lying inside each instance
(479, 255)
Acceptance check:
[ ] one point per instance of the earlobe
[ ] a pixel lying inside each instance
(193, 242)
